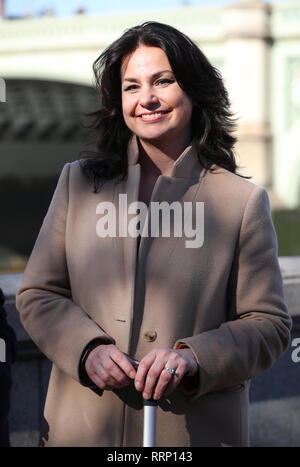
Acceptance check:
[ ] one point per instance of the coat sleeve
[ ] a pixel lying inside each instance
(258, 328)
(58, 326)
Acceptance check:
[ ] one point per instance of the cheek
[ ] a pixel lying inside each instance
(189, 108)
(124, 105)
(126, 110)
(182, 102)
(128, 107)
(185, 108)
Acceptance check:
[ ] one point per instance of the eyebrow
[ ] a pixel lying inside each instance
(154, 76)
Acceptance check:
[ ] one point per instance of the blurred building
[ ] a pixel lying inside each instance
(1, 9)
(47, 66)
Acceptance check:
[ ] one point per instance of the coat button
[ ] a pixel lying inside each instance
(150, 335)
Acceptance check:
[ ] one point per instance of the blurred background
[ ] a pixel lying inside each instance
(47, 49)
(46, 55)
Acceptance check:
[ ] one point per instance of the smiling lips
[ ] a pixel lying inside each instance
(153, 117)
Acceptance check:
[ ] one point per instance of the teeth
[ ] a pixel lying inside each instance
(151, 116)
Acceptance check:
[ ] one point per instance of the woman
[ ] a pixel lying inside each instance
(201, 320)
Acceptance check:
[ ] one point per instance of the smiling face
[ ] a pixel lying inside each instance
(155, 108)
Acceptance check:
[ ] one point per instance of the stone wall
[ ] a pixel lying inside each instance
(274, 396)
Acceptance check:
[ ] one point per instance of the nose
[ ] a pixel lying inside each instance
(148, 97)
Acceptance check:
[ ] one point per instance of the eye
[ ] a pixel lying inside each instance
(131, 87)
(165, 81)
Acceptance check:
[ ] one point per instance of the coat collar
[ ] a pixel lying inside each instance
(187, 165)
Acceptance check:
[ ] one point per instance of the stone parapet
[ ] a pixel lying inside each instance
(97, 31)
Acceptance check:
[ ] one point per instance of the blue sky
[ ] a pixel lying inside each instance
(68, 7)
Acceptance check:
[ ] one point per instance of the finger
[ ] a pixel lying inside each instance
(112, 372)
(153, 375)
(108, 381)
(134, 363)
(175, 380)
(114, 361)
(103, 354)
(99, 382)
(142, 371)
(96, 379)
(124, 362)
(167, 380)
(173, 383)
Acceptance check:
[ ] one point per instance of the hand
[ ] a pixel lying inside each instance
(109, 368)
(154, 380)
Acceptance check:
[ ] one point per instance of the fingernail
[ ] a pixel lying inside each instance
(138, 385)
(132, 374)
(146, 395)
(156, 397)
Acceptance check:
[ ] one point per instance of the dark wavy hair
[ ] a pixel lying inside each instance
(212, 121)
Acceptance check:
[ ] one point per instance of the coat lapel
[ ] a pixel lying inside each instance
(181, 186)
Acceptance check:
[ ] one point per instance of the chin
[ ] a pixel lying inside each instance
(153, 137)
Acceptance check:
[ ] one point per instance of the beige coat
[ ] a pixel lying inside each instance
(223, 299)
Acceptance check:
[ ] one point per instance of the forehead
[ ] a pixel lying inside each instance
(144, 60)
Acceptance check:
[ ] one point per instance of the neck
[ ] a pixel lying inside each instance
(158, 159)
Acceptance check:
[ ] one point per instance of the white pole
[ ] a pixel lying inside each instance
(149, 434)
